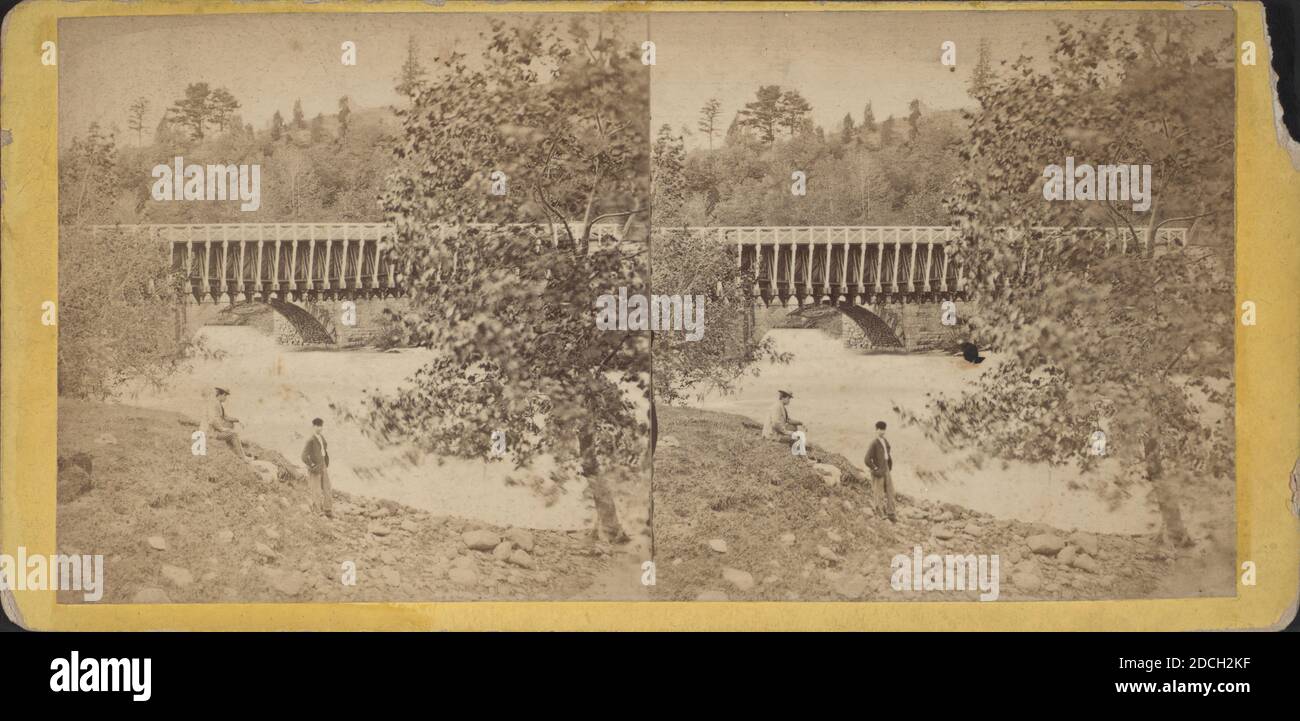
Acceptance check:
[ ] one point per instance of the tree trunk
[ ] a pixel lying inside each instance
(606, 512)
(1166, 497)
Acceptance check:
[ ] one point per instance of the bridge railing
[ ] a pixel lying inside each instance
(832, 261)
(290, 260)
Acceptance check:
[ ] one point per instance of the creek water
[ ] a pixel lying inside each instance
(839, 394)
(277, 390)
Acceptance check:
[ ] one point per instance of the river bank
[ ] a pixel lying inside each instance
(741, 518)
(179, 528)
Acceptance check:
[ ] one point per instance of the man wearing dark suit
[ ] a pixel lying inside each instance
(316, 456)
(880, 461)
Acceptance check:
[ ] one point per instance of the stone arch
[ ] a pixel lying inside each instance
(288, 323)
(863, 328)
(295, 325)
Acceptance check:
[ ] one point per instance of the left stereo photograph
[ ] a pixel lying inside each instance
(326, 289)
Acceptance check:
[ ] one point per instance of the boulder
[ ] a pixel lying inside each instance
(288, 583)
(157, 543)
(718, 545)
(266, 471)
(943, 533)
(481, 540)
(1085, 562)
(830, 474)
(1045, 544)
(74, 482)
(850, 585)
(521, 558)
(177, 575)
(738, 578)
(1067, 554)
(502, 550)
(1026, 580)
(1086, 542)
(521, 538)
(463, 577)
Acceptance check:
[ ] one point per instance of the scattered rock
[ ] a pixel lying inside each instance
(1026, 580)
(668, 442)
(481, 540)
(388, 558)
(463, 577)
(851, 585)
(157, 543)
(74, 482)
(1085, 562)
(265, 470)
(944, 517)
(828, 554)
(711, 596)
(521, 538)
(106, 439)
(1085, 541)
(521, 558)
(378, 529)
(834, 536)
(972, 528)
(391, 577)
(502, 551)
(770, 580)
(289, 583)
(1067, 554)
(463, 562)
(718, 545)
(409, 526)
(738, 578)
(225, 535)
(830, 474)
(178, 576)
(272, 534)
(150, 595)
(264, 550)
(942, 533)
(787, 539)
(1045, 544)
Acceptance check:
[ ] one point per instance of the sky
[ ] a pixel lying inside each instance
(838, 60)
(266, 61)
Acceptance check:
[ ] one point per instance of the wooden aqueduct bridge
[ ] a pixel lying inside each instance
(871, 273)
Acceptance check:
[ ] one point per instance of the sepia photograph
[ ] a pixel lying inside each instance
(970, 287)
(325, 293)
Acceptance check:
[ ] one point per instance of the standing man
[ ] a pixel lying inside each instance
(222, 426)
(779, 424)
(316, 456)
(880, 461)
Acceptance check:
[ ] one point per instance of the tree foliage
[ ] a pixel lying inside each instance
(562, 112)
(1137, 344)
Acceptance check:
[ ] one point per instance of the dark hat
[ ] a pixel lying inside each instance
(785, 394)
(880, 425)
(317, 422)
(222, 391)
